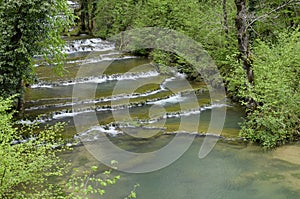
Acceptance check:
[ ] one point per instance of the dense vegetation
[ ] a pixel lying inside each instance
(276, 119)
(29, 28)
(28, 160)
(25, 165)
(254, 44)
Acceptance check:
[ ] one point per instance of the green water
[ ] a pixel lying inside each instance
(230, 171)
(157, 104)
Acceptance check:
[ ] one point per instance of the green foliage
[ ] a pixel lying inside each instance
(86, 14)
(276, 67)
(236, 79)
(133, 192)
(93, 184)
(25, 166)
(88, 183)
(276, 62)
(274, 16)
(29, 28)
(202, 21)
(114, 16)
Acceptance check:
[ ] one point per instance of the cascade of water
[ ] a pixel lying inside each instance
(52, 98)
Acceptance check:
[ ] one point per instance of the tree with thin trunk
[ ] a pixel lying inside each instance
(241, 22)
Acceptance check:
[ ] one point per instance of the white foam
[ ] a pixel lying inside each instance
(88, 45)
(171, 100)
(71, 3)
(29, 122)
(213, 106)
(94, 101)
(60, 115)
(180, 75)
(41, 86)
(102, 58)
(69, 114)
(101, 79)
(94, 133)
(184, 113)
(117, 58)
(60, 105)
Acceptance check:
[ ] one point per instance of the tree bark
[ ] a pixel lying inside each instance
(84, 15)
(93, 15)
(19, 87)
(241, 22)
(87, 15)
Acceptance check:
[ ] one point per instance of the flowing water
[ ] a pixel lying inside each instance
(156, 104)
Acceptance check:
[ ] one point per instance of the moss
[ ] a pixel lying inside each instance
(266, 176)
(296, 175)
(147, 88)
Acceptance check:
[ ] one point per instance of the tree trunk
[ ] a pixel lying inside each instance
(83, 15)
(87, 14)
(93, 15)
(241, 22)
(19, 87)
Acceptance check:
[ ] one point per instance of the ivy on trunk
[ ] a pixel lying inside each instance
(29, 28)
(241, 22)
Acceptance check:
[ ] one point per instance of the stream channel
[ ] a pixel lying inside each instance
(156, 103)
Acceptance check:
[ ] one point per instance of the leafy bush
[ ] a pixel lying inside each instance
(114, 16)
(276, 68)
(201, 21)
(29, 28)
(25, 164)
(87, 183)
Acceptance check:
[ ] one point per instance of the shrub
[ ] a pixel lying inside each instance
(25, 164)
(276, 68)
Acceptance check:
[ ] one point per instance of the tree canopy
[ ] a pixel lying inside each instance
(29, 28)
(249, 42)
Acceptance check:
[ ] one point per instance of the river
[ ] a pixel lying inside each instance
(157, 105)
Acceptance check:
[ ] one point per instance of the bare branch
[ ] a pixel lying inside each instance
(272, 11)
